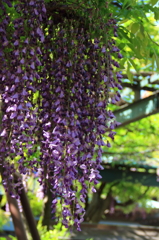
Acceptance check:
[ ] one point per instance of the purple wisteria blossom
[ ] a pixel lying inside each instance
(55, 85)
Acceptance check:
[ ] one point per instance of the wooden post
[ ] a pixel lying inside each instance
(137, 92)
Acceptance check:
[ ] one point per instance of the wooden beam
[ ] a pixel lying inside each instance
(138, 110)
(139, 74)
(134, 86)
(145, 178)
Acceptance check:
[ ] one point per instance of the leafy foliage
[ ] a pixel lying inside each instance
(126, 191)
(136, 143)
(58, 232)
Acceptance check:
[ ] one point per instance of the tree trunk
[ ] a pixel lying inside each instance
(47, 210)
(17, 218)
(98, 205)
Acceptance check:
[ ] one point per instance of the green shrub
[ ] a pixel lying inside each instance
(58, 232)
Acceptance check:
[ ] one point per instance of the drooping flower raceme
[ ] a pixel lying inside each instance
(55, 84)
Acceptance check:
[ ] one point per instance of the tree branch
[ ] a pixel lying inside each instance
(101, 188)
(130, 201)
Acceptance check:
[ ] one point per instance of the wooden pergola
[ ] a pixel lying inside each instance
(137, 173)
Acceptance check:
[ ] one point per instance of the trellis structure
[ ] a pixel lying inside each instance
(139, 109)
(137, 173)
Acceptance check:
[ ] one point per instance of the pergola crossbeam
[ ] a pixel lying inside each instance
(138, 110)
(144, 178)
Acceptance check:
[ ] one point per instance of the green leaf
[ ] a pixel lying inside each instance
(142, 30)
(4, 200)
(129, 74)
(124, 20)
(156, 59)
(156, 14)
(124, 33)
(133, 64)
(121, 46)
(153, 61)
(126, 3)
(136, 45)
(135, 27)
(122, 63)
(153, 2)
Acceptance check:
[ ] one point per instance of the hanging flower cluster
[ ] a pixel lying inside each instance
(55, 84)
